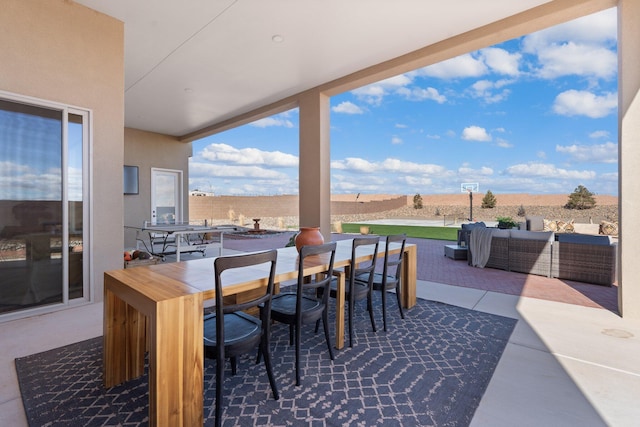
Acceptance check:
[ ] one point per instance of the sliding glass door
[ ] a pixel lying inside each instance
(43, 153)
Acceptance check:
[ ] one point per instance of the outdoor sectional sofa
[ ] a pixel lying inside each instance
(578, 257)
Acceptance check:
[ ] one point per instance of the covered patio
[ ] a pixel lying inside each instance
(569, 361)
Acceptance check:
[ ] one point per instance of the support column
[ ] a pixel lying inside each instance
(629, 157)
(315, 159)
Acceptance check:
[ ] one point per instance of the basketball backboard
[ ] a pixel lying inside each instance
(469, 187)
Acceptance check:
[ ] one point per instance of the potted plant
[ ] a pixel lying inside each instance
(506, 222)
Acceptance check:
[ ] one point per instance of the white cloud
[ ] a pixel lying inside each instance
(472, 173)
(598, 28)
(395, 165)
(475, 133)
(224, 153)
(546, 170)
(10, 168)
(401, 126)
(600, 153)
(584, 47)
(347, 107)
(396, 140)
(501, 61)
(459, 67)
(23, 182)
(503, 143)
(418, 181)
(272, 121)
(353, 164)
(485, 89)
(599, 134)
(420, 94)
(389, 165)
(476, 64)
(375, 92)
(585, 103)
(575, 59)
(234, 171)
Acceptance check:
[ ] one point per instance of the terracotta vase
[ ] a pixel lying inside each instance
(308, 236)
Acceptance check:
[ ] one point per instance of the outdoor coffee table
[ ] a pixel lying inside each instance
(455, 252)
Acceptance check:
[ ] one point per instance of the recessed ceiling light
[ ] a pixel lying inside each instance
(188, 90)
(277, 38)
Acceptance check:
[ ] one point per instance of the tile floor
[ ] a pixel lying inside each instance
(566, 364)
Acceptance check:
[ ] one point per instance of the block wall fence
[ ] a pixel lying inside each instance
(230, 207)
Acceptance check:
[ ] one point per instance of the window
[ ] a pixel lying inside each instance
(43, 217)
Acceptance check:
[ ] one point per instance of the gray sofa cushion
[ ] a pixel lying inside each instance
(585, 239)
(532, 235)
(535, 223)
(472, 225)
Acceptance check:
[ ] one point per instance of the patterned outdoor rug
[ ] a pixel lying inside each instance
(429, 370)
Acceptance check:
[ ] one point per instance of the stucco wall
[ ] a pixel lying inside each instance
(60, 51)
(221, 207)
(151, 150)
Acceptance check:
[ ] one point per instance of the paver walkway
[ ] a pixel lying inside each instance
(433, 266)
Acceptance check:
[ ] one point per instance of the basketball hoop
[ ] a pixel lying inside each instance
(470, 187)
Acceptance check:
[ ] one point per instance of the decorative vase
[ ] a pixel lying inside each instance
(308, 236)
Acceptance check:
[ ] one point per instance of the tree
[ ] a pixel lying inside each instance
(417, 201)
(489, 201)
(581, 198)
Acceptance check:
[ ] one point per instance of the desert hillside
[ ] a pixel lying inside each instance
(517, 206)
(510, 199)
(449, 208)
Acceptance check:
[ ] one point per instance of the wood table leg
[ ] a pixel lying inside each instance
(123, 340)
(409, 276)
(176, 362)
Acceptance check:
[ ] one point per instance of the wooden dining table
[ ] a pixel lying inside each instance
(159, 310)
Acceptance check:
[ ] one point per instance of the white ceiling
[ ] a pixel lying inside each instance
(194, 63)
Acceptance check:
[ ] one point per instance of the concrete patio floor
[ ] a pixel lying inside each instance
(566, 363)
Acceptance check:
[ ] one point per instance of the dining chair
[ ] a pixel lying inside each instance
(391, 274)
(239, 332)
(306, 304)
(359, 290)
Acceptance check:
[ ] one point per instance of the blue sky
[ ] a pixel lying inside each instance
(537, 114)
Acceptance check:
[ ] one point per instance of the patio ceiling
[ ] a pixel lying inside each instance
(195, 63)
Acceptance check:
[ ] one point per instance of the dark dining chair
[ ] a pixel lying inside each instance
(239, 332)
(359, 290)
(306, 305)
(390, 278)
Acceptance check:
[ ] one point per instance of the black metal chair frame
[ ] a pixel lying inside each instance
(389, 279)
(356, 291)
(239, 331)
(307, 304)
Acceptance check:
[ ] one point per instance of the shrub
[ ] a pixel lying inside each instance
(506, 222)
(489, 201)
(581, 198)
(521, 211)
(417, 201)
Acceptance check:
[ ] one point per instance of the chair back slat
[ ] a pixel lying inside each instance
(222, 264)
(322, 279)
(392, 266)
(370, 245)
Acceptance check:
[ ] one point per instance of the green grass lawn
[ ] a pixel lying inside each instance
(427, 232)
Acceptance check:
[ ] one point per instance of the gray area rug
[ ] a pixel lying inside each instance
(429, 370)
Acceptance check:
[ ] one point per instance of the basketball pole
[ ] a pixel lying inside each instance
(470, 205)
